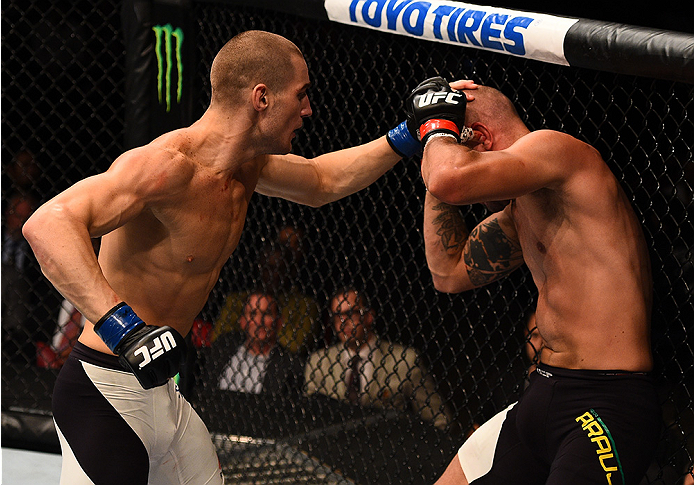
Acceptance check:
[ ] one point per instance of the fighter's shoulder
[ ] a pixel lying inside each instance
(155, 166)
(562, 156)
(561, 144)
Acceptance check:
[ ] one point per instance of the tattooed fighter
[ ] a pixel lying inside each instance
(590, 413)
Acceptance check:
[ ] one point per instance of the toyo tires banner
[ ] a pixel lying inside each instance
(533, 35)
(575, 42)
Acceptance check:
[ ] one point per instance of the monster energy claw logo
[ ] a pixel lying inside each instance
(164, 77)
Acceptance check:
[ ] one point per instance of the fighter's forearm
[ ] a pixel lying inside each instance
(445, 166)
(347, 171)
(328, 177)
(63, 249)
(445, 235)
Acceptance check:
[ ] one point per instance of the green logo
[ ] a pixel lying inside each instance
(164, 35)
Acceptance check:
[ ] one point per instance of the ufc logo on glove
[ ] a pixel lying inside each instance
(436, 97)
(162, 343)
(162, 349)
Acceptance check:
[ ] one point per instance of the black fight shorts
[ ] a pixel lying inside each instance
(569, 427)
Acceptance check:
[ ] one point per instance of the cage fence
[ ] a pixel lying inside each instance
(62, 119)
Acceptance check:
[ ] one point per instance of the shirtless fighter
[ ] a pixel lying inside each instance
(170, 214)
(590, 414)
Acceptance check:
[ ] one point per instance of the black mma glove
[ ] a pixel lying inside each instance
(438, 110)
(153, 354)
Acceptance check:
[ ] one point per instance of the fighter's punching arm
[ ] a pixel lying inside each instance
(328, 177)
(460, 260)
(335, 175)
(59, 232)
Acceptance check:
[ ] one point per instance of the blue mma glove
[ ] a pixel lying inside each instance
(403, 140)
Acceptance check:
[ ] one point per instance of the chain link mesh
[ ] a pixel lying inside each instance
(62, 69)
(62, 120)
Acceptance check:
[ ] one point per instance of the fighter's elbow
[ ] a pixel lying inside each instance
(446, 187)
(32, 228)
(37, 233)
(41, 225)
(319, 200)
(447, 284)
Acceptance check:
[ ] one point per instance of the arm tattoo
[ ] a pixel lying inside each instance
(451, 228)
(490, 254)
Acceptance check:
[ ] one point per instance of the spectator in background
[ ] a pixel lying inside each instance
(292, 237)
(24, 173)
(17, 278)
(253, 362)
(68, 328)
(278, 267)
(282, 276)
(228, 320)
(299, 311)
(366, 370)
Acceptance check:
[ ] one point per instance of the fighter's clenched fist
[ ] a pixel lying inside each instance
(153, 354)
(438, 110)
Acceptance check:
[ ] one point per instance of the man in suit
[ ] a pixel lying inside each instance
(368, 371)
(253, 362)
(279, 264)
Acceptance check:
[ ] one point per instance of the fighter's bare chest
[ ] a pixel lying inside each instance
(539, 223)
(207, 226)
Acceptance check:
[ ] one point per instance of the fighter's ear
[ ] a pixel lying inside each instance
(482, 137)
(259, 97)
